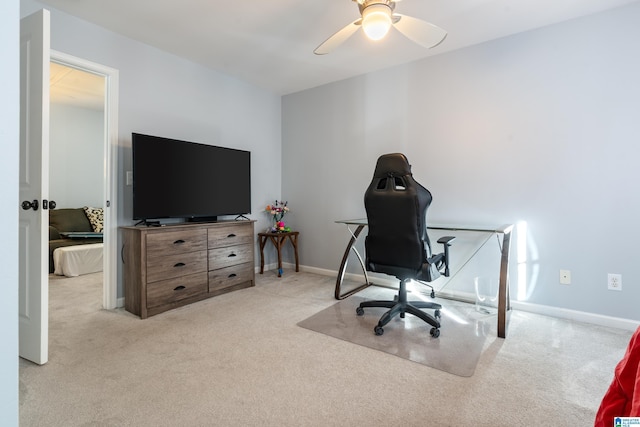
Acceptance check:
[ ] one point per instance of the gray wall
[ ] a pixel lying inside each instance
(76, 156)
(162, 94)
(9, 138)
(541, 127)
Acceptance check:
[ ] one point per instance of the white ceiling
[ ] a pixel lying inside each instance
(270, 42)
(70, 86)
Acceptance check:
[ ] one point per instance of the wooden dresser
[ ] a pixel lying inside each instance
(174, 265)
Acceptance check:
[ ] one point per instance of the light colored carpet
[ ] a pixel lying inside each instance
(241, 360)
(456, 351)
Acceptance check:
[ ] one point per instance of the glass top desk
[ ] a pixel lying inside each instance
(503, 286)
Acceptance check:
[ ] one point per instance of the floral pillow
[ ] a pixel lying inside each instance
(96, 218)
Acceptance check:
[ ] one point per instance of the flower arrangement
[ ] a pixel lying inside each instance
(277, 212)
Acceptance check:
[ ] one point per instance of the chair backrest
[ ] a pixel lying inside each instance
(396, 204)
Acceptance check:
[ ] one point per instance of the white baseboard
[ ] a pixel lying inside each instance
(561, 313)
(579, 316)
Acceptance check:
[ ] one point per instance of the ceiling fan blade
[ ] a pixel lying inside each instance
(419, 31)
(338, 38)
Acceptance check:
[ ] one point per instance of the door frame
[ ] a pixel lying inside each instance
(110, 181)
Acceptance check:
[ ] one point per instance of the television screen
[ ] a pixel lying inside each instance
(179, 179)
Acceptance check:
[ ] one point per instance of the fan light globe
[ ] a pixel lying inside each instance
(376, 21)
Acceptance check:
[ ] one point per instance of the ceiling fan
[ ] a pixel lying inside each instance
(376, 19)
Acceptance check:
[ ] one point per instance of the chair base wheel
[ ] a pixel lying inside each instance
(359, 311)
(437, 314)
(435, 332)
(378, 330)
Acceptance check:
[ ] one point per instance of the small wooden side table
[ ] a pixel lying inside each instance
(278, 240)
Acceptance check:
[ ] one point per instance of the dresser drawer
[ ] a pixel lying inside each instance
(172, 290)
(176, 242)
(230, 276)
(229, 236)
(232, 255)
(176, 265)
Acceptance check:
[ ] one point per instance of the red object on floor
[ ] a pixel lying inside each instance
(622, 399)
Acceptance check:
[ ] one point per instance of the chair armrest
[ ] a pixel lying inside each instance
(446, 242)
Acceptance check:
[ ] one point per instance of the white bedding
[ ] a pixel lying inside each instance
(73, 261)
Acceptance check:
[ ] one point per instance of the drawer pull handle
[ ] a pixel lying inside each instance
(231, 255)
(178, 242)
(232, 275)
(180, 264)
(231, 235)
(179, 288)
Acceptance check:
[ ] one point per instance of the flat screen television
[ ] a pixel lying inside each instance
(180, 179)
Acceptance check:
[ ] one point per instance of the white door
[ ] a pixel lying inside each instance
(34, 174)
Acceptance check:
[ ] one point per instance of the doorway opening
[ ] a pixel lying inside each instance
(83, 149)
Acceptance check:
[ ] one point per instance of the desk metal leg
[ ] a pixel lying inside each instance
(504, 303)
(343, 267)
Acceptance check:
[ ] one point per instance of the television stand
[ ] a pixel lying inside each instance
(178, 264)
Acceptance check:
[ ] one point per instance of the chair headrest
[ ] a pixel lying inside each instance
(392, 164)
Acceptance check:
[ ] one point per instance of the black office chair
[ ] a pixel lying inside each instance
(397, 243)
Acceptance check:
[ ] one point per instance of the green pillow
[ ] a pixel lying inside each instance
(69, 219)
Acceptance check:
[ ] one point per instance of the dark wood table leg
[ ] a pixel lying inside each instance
(277, 242)
(263, 241)
(293, 238)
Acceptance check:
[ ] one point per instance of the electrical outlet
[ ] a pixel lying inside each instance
(565, 277)
(614, 282)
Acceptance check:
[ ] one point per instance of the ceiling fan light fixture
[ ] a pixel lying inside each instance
(376, 21)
